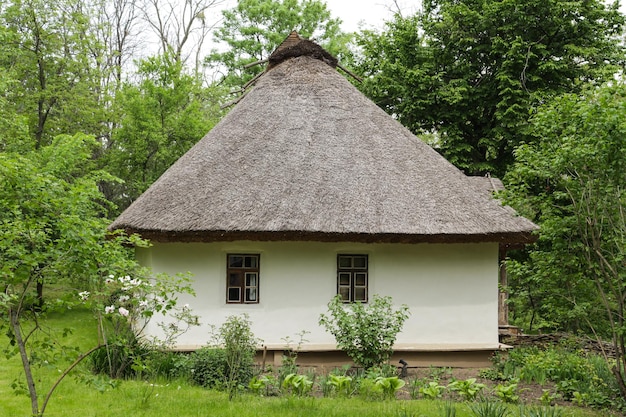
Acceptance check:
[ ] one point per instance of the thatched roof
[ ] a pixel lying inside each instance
(306, 156)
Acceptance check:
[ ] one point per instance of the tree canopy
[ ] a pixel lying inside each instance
(572, 182)
(471, 73)
(254, 28)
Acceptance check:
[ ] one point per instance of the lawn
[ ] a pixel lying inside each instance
(75, 397)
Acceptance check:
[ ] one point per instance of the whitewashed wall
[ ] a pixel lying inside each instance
(451, 289)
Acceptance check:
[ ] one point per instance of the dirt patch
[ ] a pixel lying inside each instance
(528, 393)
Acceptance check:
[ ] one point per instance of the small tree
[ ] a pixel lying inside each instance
(53, 232)
(366, 332)
(240, 345)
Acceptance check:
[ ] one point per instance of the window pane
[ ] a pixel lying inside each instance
(234, 294)
(234, 279)
(345, 293)
(251, 280)
(360, 279)
(344, 278)
(235, 261)
(360, 262)
(360, 294)
(250, 262)
(250, 294)
(345, 262)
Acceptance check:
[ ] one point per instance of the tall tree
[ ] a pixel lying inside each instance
(160, 118)
(471, 72)
(254, 28)
(182, 28)
(572, 182)
(48, 49)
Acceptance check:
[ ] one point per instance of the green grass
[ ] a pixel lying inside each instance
(165, 399)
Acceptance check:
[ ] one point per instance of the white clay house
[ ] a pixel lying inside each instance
(307, 189)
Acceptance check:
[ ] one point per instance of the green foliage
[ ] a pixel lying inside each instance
(160, 117)
(486, 408)
(124, 307)
(299, 385)
(236, 338)
(208, 367)
(471, 72)
(366, 332)
(571, 183)
(540, 412)
(53, 234)
(264, 385)
(468, 389)
(49, 47)
(448, 409)
(254, 28)
(389, 385)
(340, 384)
(119, 358)
(507, 393)
(586, 379)
(432, 390)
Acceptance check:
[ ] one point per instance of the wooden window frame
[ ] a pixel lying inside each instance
(244, 277)
(353, 277)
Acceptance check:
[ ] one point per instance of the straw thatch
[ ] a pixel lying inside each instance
(305, 156)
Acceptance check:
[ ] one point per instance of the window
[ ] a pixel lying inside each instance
(242, 275)
(352, 278)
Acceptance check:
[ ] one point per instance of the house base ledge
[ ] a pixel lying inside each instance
(328, 357)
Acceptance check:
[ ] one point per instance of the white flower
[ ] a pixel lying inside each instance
(109, 280)
(84, 295)
(143, 303)
(123, 311)
(186, 307)
(109, 309)
(124, 298)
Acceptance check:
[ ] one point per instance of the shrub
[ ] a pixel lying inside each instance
(120, 357)
(366, 332)
(208, 367)
(240, 347)
(168, 364)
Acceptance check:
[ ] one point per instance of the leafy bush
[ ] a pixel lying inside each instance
(586, 379)
(366, 332)
(168, 364)
(120, 357)
(208, 367)
(240, 346)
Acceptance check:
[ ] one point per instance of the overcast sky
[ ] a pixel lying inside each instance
(372, 13)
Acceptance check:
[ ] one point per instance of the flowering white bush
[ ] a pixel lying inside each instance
(128, 304)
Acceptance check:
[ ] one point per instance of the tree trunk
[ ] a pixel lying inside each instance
(30, 382)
